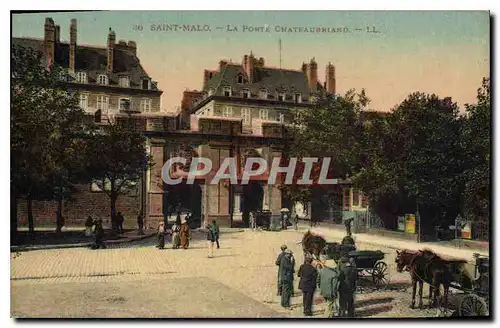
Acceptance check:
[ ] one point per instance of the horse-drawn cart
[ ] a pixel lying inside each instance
(371, 264)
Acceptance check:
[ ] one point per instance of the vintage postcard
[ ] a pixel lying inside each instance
(250, 164)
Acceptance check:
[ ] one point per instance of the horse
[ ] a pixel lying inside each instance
(313, 244)
(427, 266)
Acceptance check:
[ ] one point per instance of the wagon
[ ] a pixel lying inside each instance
(371, 264)
(470, 302)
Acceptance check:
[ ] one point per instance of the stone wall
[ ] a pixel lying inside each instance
(85, 202)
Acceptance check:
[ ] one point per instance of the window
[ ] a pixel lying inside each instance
(103, 79)
(355, 197)
(227, 91)
(84, 99)
(124, 104)
(227, 111)
(145, 84)
(264, 114)
(124, 81)
(281, 117)
(245, 115)
(347, 193)
(364, 201)
(245, 93)
(81, 77)
(263, 94)
(281, 96)
(240, 79)
(102, 103)
(98, 116)
(146, 105)
(298, 98)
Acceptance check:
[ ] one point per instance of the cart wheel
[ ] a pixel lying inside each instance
(380, 275)
(472, 305)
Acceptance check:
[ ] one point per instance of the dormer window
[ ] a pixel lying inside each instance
(226, 91)
(263, 94)
(241, 80)
(245, 93)
(146, 85)
(102, 79)
(281, 96)
(81, 77)
(124, 81)
(298, 98)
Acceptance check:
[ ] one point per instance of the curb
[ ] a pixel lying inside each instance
(45, 247)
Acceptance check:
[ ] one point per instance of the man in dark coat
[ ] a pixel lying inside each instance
(278, 263)
(120, 220)
(308, 276)
(140, 224)
(347, 286)
(287, 269)
(99, 235)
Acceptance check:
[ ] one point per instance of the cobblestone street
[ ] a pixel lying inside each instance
(143, 281)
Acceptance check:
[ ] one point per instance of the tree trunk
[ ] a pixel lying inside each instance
(31, 223)
(113, 198)
(59, 216)
(13, 218)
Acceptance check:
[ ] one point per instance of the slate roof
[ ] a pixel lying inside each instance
(274, 80)
(93, 60)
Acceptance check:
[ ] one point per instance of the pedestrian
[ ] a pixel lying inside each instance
(212, 231)
(216, 232)
(161, 235)
(347, 286)
(308, 277)
(184, 234)
(59, 221)
(278, 263)
(253, 221)
(287, 269)
(89, 223)
(99, 235)
(140, 224)
(119, 220)
(328, 283)
(176, 239)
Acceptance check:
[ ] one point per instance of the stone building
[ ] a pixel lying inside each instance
(111, 83)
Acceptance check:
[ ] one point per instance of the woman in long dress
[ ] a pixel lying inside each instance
(176, 239)
(184, 234)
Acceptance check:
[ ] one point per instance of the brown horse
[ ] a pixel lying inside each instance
(313, 244)
(427, 266)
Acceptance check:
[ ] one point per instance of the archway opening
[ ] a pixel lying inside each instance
(253, 199)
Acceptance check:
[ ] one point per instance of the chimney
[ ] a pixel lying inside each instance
(49, 40)
(207, 75)
(58, 34)
(248, 66)
(132, 46)
(312, 75)
(111, 49)
(222, 64)
(72, 45)
(304, 67)
(330, 78)
(260, 63)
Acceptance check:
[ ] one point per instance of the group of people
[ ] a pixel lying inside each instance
(98, 232)
(179, 231)
(337, 284)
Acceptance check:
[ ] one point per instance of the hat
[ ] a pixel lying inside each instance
(183, 221)
(283, 247)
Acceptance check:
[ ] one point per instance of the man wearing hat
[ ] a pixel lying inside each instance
(278, 263)
(328, 283)
(287, 269)
(347, 286)
(308, 276)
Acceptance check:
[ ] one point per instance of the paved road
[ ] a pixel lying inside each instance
(142, 281)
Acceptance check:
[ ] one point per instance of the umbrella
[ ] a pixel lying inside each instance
(284, 210)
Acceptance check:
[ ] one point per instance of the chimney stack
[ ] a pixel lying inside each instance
(248, 66)
(132, 47)
(330, 79)
(222, 64)
(49, 40)
(304, 67)
(312, 75)
(72, 45)
(111, 49)
(58, 34)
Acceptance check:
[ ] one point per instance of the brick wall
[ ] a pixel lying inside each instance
(75, 212)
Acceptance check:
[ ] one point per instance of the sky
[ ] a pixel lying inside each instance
(389, 53)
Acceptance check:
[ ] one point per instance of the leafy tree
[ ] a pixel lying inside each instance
(43, 112)
(477, 142)
(118, 158)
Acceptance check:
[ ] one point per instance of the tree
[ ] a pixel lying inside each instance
(477, 142)
(43, 111)
(118, 158)
(416, 160)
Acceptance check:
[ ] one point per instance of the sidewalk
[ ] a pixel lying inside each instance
(331, 234)
(127, 237)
